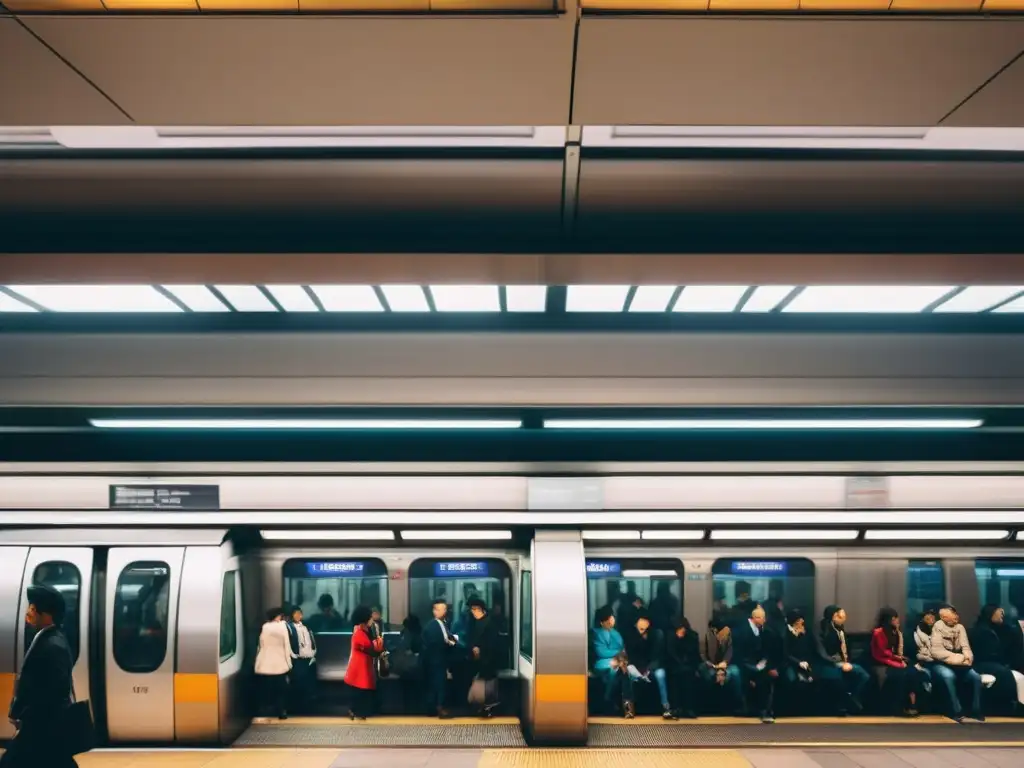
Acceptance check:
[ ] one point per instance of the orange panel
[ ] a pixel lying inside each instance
(561, 689)
(754, 5)
(335, 6)
(995, 5)
(935, 5)
(844, 5)
(67, 6)
(152, 5)
(543, 6)
(644, 5)
(255, 6)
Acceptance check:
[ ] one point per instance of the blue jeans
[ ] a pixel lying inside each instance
(733, 683)
(661, 678)
(949, 677)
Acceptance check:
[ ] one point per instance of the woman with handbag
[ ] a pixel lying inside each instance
(361, 675)
(483, 648)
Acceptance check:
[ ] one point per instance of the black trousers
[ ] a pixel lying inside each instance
(362, 701)
(37, 750)
(274, 694)
(684, 687)
(763, 692)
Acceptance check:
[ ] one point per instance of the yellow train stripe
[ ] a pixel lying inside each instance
(7, 681)
(195, 689)
(561, 689)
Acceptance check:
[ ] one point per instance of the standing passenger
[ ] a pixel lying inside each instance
(751, 655)
(892, 667)
(684, 662)
(42, 693)
(953, 657)
(438, 644)
(360, 676)
(484, 643)
(273, 663)
(847, 679)
(303, 646)
(611, 664)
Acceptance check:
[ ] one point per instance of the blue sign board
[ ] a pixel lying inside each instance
(759, 567)
(460, 569)
(334, 568)
(597, 569)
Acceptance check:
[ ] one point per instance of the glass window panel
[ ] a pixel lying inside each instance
(526, 614)
(141, 611)
(1001, 582)
(777, 585)
(657, 585)
(228, 625)
(66, 579)
(926, 585)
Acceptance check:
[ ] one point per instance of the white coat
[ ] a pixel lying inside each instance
(274, 656)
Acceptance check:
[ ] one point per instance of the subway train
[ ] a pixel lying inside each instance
(164, 607)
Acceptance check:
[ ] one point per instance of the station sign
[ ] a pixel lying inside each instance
(460, 569)
(335, 568)
(182, 498)
(759, 567)
(597, 569)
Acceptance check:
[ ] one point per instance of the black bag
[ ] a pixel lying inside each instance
(383, 665)
(79, 730)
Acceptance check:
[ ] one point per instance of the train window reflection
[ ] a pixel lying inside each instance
(458, 581)
(526, 614)
(629, 587)
(228, 625)
(777, 585)
(66, 579)
(926, 586)
(141, 611)
(1001, 582)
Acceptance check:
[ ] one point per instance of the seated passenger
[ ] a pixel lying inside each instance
(610, 664)
(683, 660)
(799, 653)
(892, 668)
(990, 657)
(717, 669)
(645, 649)
(952, 657)
(837, 671)
(751, 655)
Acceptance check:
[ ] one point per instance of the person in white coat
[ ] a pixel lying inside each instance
(273, 663)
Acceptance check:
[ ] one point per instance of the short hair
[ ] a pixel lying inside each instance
(742, 588)
(604, 613)
(273, 613)
(325, 601)
(360, 615)
(476, 602)
(439, 601)
(644, 615)
(47, 600)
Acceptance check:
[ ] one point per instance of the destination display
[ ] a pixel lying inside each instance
(759, 568)
(335, 568)
(601, 568)
(460, 568)
(182, 498)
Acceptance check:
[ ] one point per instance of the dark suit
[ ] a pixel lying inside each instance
(41, 698)
(435, 658)
(748, 650)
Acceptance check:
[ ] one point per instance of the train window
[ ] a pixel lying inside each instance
(777, 585)
(141, 612)
(228, 625)
(328, 591)
(631, 586)
(926, 585)
(1001, 582)
(526, 614)
(66, 579)
(458, 581)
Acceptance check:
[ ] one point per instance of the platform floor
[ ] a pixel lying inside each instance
(948, 757)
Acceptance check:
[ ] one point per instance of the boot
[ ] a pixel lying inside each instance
(630, 709)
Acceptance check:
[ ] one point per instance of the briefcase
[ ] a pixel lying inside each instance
(79, 730)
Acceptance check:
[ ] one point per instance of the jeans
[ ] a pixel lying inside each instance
(846, 685)
(660, 677)
(733, 683)
(948, 678)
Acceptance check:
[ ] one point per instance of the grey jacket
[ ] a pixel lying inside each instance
(950, 645)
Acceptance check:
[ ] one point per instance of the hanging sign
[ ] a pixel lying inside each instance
(184, 498)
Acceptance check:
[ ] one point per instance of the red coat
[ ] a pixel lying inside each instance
(881, 650)
(360, 673)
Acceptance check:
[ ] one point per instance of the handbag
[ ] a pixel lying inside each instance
(383, 664)
(482, 692)
(79, 732)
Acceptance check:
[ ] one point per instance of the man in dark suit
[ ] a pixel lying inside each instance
(43, 692)
(752, 653)
(438, 645)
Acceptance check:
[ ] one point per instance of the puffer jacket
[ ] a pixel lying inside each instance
(923, 642)
(950, 645)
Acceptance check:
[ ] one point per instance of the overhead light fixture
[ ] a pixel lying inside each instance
(766, 298)
(763, 424)
(1010, 573)
(246, 298)
(293, 298)
(348, 298)
(465, 298)
(446, 535)
(595, 298)
(709, 298)
(10, 304)
(1017, 305)
(754, 535)
(526, 298)
(695, 535)
(938, 534)
(327, 535)
(643, 573)
(610, 535)
(867, 298)
(978, 298)
(198, 298)
(97, 298)
(406, 298)
(651, 298)
(306, 424)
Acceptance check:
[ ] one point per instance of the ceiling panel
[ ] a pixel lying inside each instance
(771, 71)
(320, 71)
(1000, 103)
(44, 90)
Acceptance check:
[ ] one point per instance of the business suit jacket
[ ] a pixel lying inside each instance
(43, 692)
(750, 649)
(436, 652)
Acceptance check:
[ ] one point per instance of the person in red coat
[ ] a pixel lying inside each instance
(892, 668)
(361, 676)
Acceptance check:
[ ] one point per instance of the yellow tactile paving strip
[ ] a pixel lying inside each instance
(844, 721)
(612, 758)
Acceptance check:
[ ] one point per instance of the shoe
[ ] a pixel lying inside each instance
(767, 718)
(444, 714)
(283, 716)
(911, 713)
(959, 719)
(668, 715)
(351, 715)
(630, 710)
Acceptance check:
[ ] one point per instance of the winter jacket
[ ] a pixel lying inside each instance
(882, 652)
(950, 645)
(274, 656)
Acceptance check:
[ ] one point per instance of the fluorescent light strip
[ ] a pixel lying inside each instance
(672, 535)
(406, 298)
(97, 298)
(447, 535)
(600, 535)
(709, 298)
(648, 574)
(526, 298)
(226, 424)
(942, 534)
(348, 298)
(1010, 573)
(466, 298)
(752, 534)
(1017, 305)
(198, 298)
(765, 298)
(293, 298)
(596, 298)
(866, 298)
(763, 424)
(978, 298)
(11, 304)
(328, 535)
(651, 298)
(246, 298)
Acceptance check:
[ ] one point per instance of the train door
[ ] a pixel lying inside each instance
(141, 631)
(230, 670)
(12, 571)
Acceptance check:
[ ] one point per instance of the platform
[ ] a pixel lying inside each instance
(383, 732)
(950, 757)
